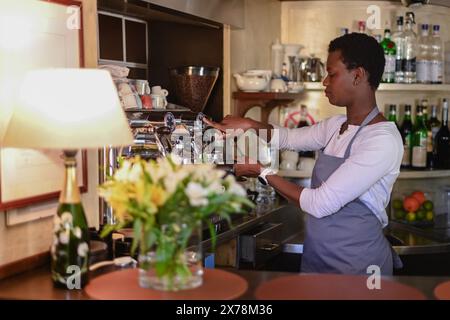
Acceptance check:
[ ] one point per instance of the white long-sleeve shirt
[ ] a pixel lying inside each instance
(368, 174)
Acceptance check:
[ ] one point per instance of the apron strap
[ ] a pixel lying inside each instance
(369, 118)
(339, 128)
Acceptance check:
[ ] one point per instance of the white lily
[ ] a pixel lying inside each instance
(196, 194)
(83, 249)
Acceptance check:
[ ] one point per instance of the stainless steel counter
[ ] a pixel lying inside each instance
(405, 240)
(290, 216)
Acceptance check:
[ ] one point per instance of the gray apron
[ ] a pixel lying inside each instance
(351, 239)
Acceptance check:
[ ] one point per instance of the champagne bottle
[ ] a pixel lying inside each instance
(406, 132)
(70, 248)
(442, 141)
(419, 142)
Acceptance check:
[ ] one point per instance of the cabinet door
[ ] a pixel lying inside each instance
(136, 41)
(110, 30)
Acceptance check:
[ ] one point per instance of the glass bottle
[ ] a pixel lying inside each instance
(419, 142)
(399, 39)
(434, 122)
(389, 54)
(423, 66)
(70, 248)
(410, 51)
(393, 115)
(442, 141)
(406, 132)
(436, 56)
(430, 162)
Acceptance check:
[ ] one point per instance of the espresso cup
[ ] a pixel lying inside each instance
(157, 90)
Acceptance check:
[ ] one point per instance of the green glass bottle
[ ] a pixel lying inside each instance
(390, 52)
(419, 142)
(406, 131)
(393, 115)
(70, 248)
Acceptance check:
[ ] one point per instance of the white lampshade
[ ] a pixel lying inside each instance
(67, 109)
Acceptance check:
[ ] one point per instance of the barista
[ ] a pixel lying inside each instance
(359, 160)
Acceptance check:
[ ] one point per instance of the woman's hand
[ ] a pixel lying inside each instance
(238, 123)
(232, 123)
(248, 168)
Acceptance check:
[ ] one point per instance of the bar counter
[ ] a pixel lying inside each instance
(37, 284)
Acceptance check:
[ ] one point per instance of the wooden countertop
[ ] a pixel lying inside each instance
(37, 284)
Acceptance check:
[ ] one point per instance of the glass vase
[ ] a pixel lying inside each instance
(175, 260)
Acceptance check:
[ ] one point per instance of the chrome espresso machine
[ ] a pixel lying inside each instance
(157, 133)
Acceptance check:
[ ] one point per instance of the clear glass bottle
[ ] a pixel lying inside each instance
(390, 56)
(436, 56)
(410, 51)
(399, 40)
(423, 66)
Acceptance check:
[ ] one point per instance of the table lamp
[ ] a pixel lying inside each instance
(68, 109)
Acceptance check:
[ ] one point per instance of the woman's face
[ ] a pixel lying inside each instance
(338, 83)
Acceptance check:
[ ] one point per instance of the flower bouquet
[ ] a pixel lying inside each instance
(166, 204)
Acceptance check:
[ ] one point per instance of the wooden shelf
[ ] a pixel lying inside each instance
(426, 174)
(406, 174)
(266, 95)
(267, 101)
(317, 86)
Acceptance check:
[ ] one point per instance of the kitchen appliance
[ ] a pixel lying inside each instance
(312, 69)
(193, 85)
(291, 56)
(158, 133)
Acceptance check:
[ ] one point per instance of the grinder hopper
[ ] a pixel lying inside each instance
(193, 85)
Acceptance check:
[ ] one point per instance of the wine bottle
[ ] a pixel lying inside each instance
(419, 142)
(434, 123)
(70, 248)
(406, 132)
(442, 141)
(426, 121)
(393, 115)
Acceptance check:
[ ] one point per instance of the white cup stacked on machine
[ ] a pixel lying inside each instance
(159, 95)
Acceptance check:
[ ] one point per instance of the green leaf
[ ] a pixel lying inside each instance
(212, 232)
(107, 230)
(137, 230)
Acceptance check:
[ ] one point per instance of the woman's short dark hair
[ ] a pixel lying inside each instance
(361, 50)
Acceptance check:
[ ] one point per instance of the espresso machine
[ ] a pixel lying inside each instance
(175, 130)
